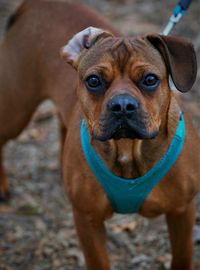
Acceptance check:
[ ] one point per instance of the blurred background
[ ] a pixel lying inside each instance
(36, 227)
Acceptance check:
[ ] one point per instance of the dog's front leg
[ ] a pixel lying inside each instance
(180, 229)
(91, 232)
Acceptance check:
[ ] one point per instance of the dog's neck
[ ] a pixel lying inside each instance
(129, 158)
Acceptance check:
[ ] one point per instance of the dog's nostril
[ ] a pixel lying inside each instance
(123, 108)
(116, 108)
(130, 107)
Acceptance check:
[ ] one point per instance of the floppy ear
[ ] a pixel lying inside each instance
(82, 40)
(179, 57)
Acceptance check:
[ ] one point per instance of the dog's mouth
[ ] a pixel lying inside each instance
(124, 128)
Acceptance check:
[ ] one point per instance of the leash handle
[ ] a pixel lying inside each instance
(178, 12)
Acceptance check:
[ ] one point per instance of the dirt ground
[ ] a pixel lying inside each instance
(36, 227)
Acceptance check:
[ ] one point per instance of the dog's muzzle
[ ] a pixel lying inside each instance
(124, 119)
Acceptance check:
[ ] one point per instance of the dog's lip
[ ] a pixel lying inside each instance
(133, 134)
(123, 131)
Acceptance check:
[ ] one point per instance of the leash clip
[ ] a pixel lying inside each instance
(178, 12)
(174, 19)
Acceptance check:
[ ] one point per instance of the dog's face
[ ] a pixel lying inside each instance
(123, 82)
(122, 89)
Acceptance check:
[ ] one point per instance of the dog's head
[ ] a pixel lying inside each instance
(123, 82)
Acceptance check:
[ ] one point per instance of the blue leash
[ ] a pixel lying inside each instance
(178, 13)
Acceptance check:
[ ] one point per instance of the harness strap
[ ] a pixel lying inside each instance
(127, 195)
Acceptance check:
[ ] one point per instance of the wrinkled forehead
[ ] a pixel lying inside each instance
(120, 52)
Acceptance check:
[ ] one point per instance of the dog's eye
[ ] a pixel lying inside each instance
(95, 84)
(93, 81)
(149, 82)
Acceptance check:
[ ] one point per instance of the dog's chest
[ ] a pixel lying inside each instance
(128, 159)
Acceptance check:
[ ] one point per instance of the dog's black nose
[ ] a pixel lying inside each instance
(123, 104)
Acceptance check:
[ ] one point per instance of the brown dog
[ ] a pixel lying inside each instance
(130, 115)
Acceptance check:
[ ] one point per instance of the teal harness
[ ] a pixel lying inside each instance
(127, 195)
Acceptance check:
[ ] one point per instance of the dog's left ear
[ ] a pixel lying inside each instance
(82, 40)
(180, 59)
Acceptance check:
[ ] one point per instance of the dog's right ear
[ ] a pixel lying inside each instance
(179, 57)
(82, 40)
